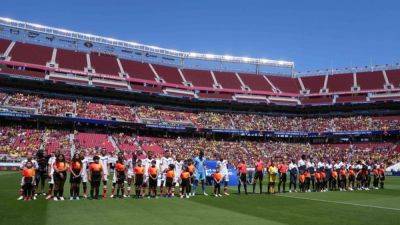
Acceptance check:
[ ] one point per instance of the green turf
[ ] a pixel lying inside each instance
(346, 208)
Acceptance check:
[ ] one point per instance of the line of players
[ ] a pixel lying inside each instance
(316, 175)
(169, 173)
(149, 173)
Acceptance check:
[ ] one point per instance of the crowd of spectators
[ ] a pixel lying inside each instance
(150, 114)
(92, 110)
(57, 107)
(16, 142)
(24, 100)
(215, 120)
(57, 141)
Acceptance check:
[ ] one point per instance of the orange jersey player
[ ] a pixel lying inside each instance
(75, 178)
(120, 175)
(169, 179)
(185, 182)
(95, 177)
(217, 177)
(60, 175)
(28, 183)
(139, 175)
(242, 172)
(258, 175)
(153, 175)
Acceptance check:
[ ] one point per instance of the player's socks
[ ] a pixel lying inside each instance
(104, 191)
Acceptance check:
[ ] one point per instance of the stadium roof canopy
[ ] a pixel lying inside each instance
(89, 38)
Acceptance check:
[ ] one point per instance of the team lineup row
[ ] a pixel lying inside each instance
(169, 172)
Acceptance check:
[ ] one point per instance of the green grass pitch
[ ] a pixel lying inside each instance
(345, 208)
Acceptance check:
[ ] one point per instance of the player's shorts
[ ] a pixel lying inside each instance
(139, 180)
(258, 175)
(176, 179)
(27, 181)
(62, 176)
(105, 177)
(243, 178)
(114, 179)
(51, 178)
(200, 176)
(130, 174)
(169, 182)
(152, 183)
(84, 177)
(121, 178)
(185, 182)
(163, 179)
(75, 180)
(41, 175)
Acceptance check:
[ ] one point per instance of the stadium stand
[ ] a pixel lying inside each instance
(394, 77)
(91, 142)
(71, 67)
(169, 74)
(371, 80)
(228, 80)
(104, 63)
(69, 59)
(340, 82)
(285, 84)
(351, 99)
(255, 82)
(199, 78)
(313, 83)
(138, 70)
(29, 53)
(4, 45)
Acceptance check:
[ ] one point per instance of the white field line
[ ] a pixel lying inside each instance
(338, 202)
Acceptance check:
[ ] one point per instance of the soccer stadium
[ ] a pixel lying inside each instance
(104, 130)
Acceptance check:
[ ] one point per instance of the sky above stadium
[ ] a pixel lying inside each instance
(314, 34)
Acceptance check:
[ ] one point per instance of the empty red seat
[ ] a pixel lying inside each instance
(216, 95)
(371, 80)
(27, 72)
(138, 70)
(199, 78)
(313, 83)
(351, 99)
(285, 84)
(340, 82)
(169, 74)
(84, 141)
(29, 53)
(69, 59)
(104, 63)
(317, 100)
(393, 77)
(147, 88)
(4, 45)
(228, 80)
(255, 82)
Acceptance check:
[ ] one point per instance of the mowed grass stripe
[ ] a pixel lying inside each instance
(337, 202)
(145, 211)
(15, 212)
(251, 209)
(298, 211)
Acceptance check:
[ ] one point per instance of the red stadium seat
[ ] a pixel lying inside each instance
(69, 59)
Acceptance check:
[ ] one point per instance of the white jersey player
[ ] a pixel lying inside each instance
(164, 163)
(104, 161)
(222, 164)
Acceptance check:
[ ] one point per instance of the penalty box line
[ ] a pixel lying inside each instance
(338, 202)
